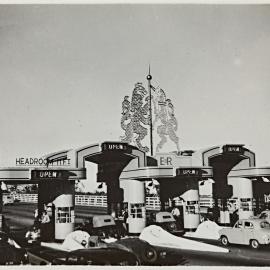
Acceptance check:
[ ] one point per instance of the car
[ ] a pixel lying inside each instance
(167, 222)
(10, 252)
(89, 256)
(265, 215)
(253, 232)
(148, 254)
(105, 228)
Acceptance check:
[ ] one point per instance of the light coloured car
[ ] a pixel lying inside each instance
(265, 215)
(253, 232)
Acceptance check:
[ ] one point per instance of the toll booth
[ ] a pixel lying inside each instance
(223, 159)
(250, 186)
(175, 181)
(56, 191)
(111, 158)
(183, 185)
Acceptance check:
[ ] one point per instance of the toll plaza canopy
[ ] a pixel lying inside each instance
(99, 154)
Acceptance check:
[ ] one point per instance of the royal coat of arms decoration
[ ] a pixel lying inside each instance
(136, 117)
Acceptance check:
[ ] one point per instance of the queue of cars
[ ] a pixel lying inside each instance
(129, 250)
(109, 248)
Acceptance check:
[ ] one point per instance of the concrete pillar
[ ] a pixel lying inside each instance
(134, 196)
(245, 195)
(191, 209)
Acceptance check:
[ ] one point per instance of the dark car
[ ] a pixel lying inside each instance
(103, 226)
(167, 222)
(90, 256)
(147, 254)
(9, 252)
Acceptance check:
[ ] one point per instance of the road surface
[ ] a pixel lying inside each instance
(20, 217)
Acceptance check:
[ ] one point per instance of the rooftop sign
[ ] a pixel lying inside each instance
(233, 148)
(114, 146)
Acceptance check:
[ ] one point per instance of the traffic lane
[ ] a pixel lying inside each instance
(238, 255)
(233, 258)
(22, 214)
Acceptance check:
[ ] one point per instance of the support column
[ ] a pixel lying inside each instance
(134, 196)
(1, 210)
(245, 195)
(191, 209)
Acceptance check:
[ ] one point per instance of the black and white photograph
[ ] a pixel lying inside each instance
(135, 134)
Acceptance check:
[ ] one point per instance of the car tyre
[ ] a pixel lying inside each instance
(224, 240)
(254, 244)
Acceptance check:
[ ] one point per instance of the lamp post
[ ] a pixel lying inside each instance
(149, 77)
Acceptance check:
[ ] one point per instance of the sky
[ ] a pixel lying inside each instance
(66, 68)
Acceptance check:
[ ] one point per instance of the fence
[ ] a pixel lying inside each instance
(101, 201)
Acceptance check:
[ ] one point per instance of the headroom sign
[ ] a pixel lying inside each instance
(46, 174)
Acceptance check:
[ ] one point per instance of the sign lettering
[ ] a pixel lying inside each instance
(187, 172)
(114, 146)
(165, 161)
(46, 174)
(233, 148)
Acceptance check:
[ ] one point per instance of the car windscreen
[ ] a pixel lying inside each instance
(263, 215)
(265, 225)
(167, 217)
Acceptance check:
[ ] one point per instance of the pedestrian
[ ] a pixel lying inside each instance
(45, 219)
(125, 219)
(33, 235)
(176, 214)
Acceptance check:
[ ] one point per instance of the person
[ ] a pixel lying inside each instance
(176, 214)
(125, 219)
(234, 217)
(36, 213)
(33, 235)
(45, 218)
(45, 227)
(175, 211)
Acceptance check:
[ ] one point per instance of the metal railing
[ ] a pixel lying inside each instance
(101, 200)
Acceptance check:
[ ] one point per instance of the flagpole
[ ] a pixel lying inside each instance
(149, 77)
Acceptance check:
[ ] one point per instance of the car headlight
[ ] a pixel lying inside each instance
(163, 254)
(266, 239)
(149, 254)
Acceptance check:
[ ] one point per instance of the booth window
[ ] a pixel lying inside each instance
(64, 214)
(246, 204)
(192, 207)
(137, 210)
